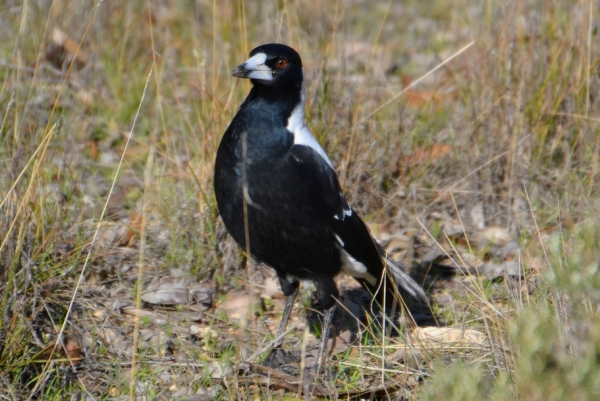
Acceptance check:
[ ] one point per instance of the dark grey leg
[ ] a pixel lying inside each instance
(289, 289)
(327, 319)
(289, 303)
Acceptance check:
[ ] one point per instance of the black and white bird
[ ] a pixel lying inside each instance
(280, 198)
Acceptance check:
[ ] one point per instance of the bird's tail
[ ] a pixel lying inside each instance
(403, 282)
(394, 281)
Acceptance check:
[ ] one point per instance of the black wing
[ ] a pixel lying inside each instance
(351, 233)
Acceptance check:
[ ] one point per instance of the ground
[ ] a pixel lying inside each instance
(467, 136)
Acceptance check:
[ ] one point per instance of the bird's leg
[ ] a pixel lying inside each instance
(289, 303)
(290, 289)
(328, 293)
(327, 319)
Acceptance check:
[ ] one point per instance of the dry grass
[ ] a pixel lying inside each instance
(107, 141)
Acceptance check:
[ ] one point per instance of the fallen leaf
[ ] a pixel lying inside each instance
(494, 235)
(134, 227)
(109, 233)
(109, 335)
(201, 294)
(203, 331)
(218, 371)
(449, 336)
(238, 306)
(396, 242)
(158, 341)
(493, 270)
(167, 291)
(73, 352)
(156, 318)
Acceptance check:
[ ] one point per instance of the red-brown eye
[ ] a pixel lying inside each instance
(281, 63)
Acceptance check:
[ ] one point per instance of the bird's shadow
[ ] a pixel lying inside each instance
(357, 319)
(359, 314)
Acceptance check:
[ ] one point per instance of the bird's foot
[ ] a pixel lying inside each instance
(276, 358)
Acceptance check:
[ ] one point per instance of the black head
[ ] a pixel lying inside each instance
(272, 65)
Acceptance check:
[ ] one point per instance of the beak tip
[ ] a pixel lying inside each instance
(238, 72)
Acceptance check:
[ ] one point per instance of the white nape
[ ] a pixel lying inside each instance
(297, 126)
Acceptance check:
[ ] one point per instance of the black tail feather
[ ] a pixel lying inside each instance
(401, 283)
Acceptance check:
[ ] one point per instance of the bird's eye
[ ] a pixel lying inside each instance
(281, 63)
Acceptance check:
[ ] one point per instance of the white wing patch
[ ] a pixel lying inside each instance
(302, 135)
(345, 208)
(354, 268)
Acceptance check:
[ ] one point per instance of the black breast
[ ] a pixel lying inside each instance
(285, 212)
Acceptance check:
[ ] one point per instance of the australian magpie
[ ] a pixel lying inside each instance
(280, 198)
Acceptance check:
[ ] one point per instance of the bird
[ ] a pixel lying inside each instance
(280, 198)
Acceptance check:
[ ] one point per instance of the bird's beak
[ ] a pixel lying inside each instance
(254, 68)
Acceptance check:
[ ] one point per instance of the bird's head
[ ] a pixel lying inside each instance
(272, 64)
